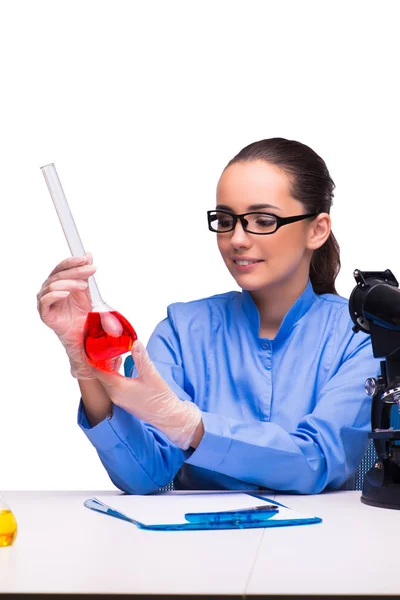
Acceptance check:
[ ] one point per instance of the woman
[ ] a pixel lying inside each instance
(262, 388)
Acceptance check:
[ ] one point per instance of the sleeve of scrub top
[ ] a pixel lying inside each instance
(139, 458)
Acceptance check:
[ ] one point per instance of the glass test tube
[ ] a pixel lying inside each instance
(70, 230)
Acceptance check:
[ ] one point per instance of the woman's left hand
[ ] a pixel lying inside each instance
(149, 398)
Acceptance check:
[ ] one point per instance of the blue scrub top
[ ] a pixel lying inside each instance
(288, 414)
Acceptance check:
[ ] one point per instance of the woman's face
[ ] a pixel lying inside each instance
(278, 257)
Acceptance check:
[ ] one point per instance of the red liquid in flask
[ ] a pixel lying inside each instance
(106, 335)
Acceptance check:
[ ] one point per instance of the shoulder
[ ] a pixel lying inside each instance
(225, 297)
(203, 308)
(346, 340)
(334, 306)
(332, 300)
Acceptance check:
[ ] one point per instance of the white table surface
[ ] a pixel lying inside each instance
(63, 547)
(353, 551)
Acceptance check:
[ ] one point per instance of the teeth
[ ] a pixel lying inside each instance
(245, 262)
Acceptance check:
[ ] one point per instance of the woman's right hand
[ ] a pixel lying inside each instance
(63, 304)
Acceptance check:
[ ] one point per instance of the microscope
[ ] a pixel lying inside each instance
(374, 307)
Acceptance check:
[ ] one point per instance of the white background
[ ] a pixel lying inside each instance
(141, 105)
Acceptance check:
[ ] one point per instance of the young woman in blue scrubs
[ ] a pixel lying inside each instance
(258, 389)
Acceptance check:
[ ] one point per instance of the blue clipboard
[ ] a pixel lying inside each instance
(261, 516)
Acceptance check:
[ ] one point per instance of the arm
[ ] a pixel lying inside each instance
(322, 451)
(96, 401)
(138, 457)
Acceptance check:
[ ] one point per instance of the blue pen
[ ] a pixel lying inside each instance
(243, 515)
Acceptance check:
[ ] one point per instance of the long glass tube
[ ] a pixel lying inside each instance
(70, 230)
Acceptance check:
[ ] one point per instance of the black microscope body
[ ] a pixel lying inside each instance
(374, 307)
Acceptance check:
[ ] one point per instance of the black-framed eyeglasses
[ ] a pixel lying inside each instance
(259, 223)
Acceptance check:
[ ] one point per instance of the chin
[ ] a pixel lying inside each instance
(252, 286)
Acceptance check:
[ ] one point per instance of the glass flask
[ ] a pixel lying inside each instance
(107, 334)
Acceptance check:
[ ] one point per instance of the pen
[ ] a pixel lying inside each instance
(256, 513)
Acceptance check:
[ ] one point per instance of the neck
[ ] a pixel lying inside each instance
(275, 301)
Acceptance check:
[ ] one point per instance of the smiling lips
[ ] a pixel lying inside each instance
(245, 264)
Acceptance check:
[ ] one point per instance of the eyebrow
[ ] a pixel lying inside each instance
(251, 207)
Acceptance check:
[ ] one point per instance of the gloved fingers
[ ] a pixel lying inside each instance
(145, 367)
(142, 363)
(72, 261)
(64, 285)
(65, 318)
(82, 272)
(123, 391)
(46, 302)
(112, 379)
(81, 369)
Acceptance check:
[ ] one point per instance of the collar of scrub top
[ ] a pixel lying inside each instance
(294, 314)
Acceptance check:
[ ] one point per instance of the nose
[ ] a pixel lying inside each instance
(240, 238)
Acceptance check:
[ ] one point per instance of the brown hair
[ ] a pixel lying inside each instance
(311, 185)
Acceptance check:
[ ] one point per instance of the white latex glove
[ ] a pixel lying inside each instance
(149, 398)
(63, 304)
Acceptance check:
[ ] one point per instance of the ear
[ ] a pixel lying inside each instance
(319, 231)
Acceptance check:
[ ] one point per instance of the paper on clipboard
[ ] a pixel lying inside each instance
(170, 509)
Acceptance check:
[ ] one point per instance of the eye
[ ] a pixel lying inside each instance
(265, 221)
(223, 221)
